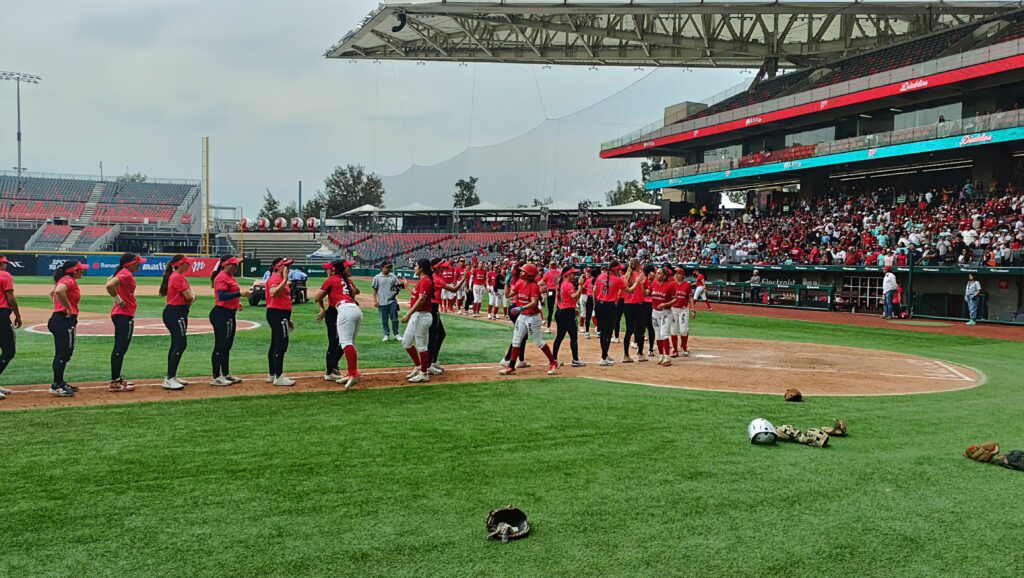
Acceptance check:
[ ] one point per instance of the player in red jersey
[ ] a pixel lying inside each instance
(63, 322)
(437, 332)
(635, 281)
(551, 280)
(226, 305)
(417, 333)
(700, 290)
(460, 293)
(681, 313)
(175, 287)
(607, 288)
(8, 306)
(586, 303)
(121, 286)
(478, 281)
(565, 318)
(662, 294)
(493, 302)
(448, 278)
(525, 294)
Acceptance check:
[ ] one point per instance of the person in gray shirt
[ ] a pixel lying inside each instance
(385, 291)
(972, 295)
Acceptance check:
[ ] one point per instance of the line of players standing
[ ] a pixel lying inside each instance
(654, 301)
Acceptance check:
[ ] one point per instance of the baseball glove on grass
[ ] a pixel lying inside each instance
(815, 438)
(982, 452)
(787, 433)
(838, 430)
(508, 523)
(793, 395)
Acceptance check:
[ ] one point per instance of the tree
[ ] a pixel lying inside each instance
(649, 166)
(271, 208)
(131, 178)
(289, 212)
(465, 193)
(627, 192)
(347, 188)
(544, 201)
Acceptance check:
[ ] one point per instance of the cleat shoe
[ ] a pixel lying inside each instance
(61, 391)
(675, 354)
(507, 371)
(686, 353)
(553, 368)
(172, 384)
(270, 378)
(435, 369)
(73, 388)
(607, 362)
(220, 381)
(181, 381)
(332, 375)
(3, 395)
(524, 365)
(576, 363)
(627, 359)
(5, 391)
(668, 362)
(233, 379)
(415, 371)
(353, 379)
(283, 381)
(586, 335)
(503, 364)
(641, 358)
(615, 339)
(420, 378)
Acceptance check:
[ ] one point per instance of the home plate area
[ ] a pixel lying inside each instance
(145, 326)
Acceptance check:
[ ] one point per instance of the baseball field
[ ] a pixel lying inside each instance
(618, 477)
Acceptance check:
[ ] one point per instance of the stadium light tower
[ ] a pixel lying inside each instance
(18, 78)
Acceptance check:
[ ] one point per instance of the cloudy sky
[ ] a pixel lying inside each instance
(136, 85)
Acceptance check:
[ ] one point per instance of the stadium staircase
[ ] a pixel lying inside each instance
(186, 206)
(70, 240)
(94, 198)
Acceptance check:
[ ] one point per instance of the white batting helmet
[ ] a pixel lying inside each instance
(761, 431)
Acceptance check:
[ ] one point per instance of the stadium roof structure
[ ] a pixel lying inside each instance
(696, 33)
(489, 210)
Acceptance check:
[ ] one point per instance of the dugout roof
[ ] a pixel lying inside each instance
(694, 33)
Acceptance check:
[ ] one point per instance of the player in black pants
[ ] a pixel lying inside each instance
(8, 305)
(647, 313)
(121, 286)
(565, 318)
(63, 322)
(175, 287)
(227, 301)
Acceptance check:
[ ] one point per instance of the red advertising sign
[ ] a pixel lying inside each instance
(943, 78)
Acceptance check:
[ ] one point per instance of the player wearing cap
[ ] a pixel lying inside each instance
(447, 278)
(121, 286)
(569, 293)
(279, 318)
(63, 322)
(176, 289)
(8, 306)
(647, 310)
(607, 288)
(331, 290)
(681, 313)
(350, 319)
(662, 293)
(227, 302)
(416, 340)
(700, 291)
(437, 334)
(460, 293)
(493, 298)
(525, 294)
(550, 281)
(478, 280)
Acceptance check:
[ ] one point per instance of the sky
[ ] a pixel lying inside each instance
(136, 85)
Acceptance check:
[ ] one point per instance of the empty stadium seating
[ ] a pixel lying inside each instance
(51, 237)
(89, 235)
(62, 190)
(133, 213)
(144, 194)
(767, 90)
(898, 56)
(40, 210)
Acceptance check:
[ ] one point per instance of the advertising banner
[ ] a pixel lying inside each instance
(202, 267)
(19, 264)
(47, 264)
(102, 265)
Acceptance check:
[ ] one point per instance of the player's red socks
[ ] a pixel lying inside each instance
(424, 361)
(512, 357)
(675, 343)
(686, 339)
(352, 360)
(547, 352)
(415, 355)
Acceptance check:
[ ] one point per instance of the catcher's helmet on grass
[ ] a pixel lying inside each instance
(508, 523)
(761, 431)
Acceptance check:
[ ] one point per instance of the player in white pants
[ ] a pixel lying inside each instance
(350, 317)
(681, 313)
(525, 294)
(417, 333)
(662, 292)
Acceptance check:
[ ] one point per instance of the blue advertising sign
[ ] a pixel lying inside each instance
(953, 142)
(21, 264)
(105, 265)
(47, 264)
(153, 267)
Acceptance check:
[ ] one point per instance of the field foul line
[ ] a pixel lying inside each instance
(951, 369)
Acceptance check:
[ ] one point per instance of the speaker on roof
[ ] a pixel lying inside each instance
(401, 22)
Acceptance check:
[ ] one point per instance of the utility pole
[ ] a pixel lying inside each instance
(18, 78)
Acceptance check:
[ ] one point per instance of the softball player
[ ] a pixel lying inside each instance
(178, 292)
(121, 286)
(493, 302)
(634, 297)
(417, 331)
(223, 318)
(279, 318)
(350, 317)
(460, 293)
(662, 293)
(586, 301)
(700, 290)
(569, 294)
(66, 295)
(526, 295)
(478, 278)
(331, 290)
(681, 313)
(607, 288)
(437, 333)
(8, 305)
(551, 280)
(447, 278)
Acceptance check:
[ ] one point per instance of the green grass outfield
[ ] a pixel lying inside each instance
(619, 480)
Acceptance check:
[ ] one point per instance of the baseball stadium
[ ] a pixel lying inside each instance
(792, 350)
